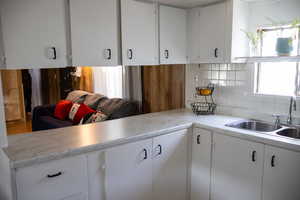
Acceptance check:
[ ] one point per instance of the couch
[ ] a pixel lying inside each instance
(115, 108)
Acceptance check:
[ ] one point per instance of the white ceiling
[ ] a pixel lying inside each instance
(188, 3)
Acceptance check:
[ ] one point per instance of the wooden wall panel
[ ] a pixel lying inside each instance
(13, 95)
(163, 87)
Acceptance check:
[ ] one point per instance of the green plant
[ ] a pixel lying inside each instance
(295, 23)
(254, 37)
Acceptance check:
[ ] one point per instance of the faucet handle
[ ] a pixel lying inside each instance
(277, 119)
(277, 116)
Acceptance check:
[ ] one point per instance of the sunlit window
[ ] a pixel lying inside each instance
(269, 40)
(278, 78)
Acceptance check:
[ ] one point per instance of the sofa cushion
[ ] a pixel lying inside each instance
(49, 122)
(117, 108)
(77, 96)
(78, 111)
(62, 109)
(94, 117)
(92, 100)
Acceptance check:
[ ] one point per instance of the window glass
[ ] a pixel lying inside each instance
(269, 40)
(277, 78)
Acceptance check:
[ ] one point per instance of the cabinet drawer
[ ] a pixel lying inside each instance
(55, 180)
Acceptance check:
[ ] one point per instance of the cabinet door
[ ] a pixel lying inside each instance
(139, 33)
(34, 33)
(173, 37)
(2, 55)
(64, 179)
(201, 164)
(212, 33)
(95, 32)
(193, 35)
(281, 174)
(170, 166)
(96, 174)
(237, 169)
(129, 171)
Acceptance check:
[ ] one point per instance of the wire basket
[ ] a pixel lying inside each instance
(203, 108)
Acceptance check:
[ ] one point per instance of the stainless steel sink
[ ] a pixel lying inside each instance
(290, 132)
(254, 125)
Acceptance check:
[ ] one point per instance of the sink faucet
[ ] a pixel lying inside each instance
(277, 120)
(293, 106)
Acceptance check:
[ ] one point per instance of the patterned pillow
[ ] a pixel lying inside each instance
(62, 109)
(93, 118)
(78, 111)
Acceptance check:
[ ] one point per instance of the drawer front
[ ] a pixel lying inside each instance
(55, 180)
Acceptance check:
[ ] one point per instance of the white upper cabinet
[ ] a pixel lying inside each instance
(214, 32)
(139, 33)
(170, 166)
(237, 169)
(95, 32)
(210, 34)
(281, 174)
(237, 43)
(173, 38)
(34, 33)
(193, 35)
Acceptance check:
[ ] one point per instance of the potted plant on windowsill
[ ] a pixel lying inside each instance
(254, 41)
(284, 45)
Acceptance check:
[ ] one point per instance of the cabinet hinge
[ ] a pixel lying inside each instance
(69, 57)
(3, 59)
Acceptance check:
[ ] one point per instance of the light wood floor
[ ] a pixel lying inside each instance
(18, 127)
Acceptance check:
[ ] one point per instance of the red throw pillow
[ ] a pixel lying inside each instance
(62, 109)
(78, 111)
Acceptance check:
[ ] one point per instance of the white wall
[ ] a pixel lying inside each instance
(278, 10)
(236, 95)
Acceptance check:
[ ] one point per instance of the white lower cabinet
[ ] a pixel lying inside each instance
(145, 170)
(64, 179)
(237, 169)
(281, 174)
(222, 168)
(170, 160)
(201, 164)
(96, 175)
(129, 171)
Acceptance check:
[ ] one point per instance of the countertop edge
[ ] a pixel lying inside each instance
(217, 126)
(96, 147)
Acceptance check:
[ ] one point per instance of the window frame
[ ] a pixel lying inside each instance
(258, 64)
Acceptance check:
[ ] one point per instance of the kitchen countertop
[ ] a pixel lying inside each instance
(28, 149)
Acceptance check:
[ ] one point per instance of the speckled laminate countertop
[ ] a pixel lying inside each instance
(28, 149)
